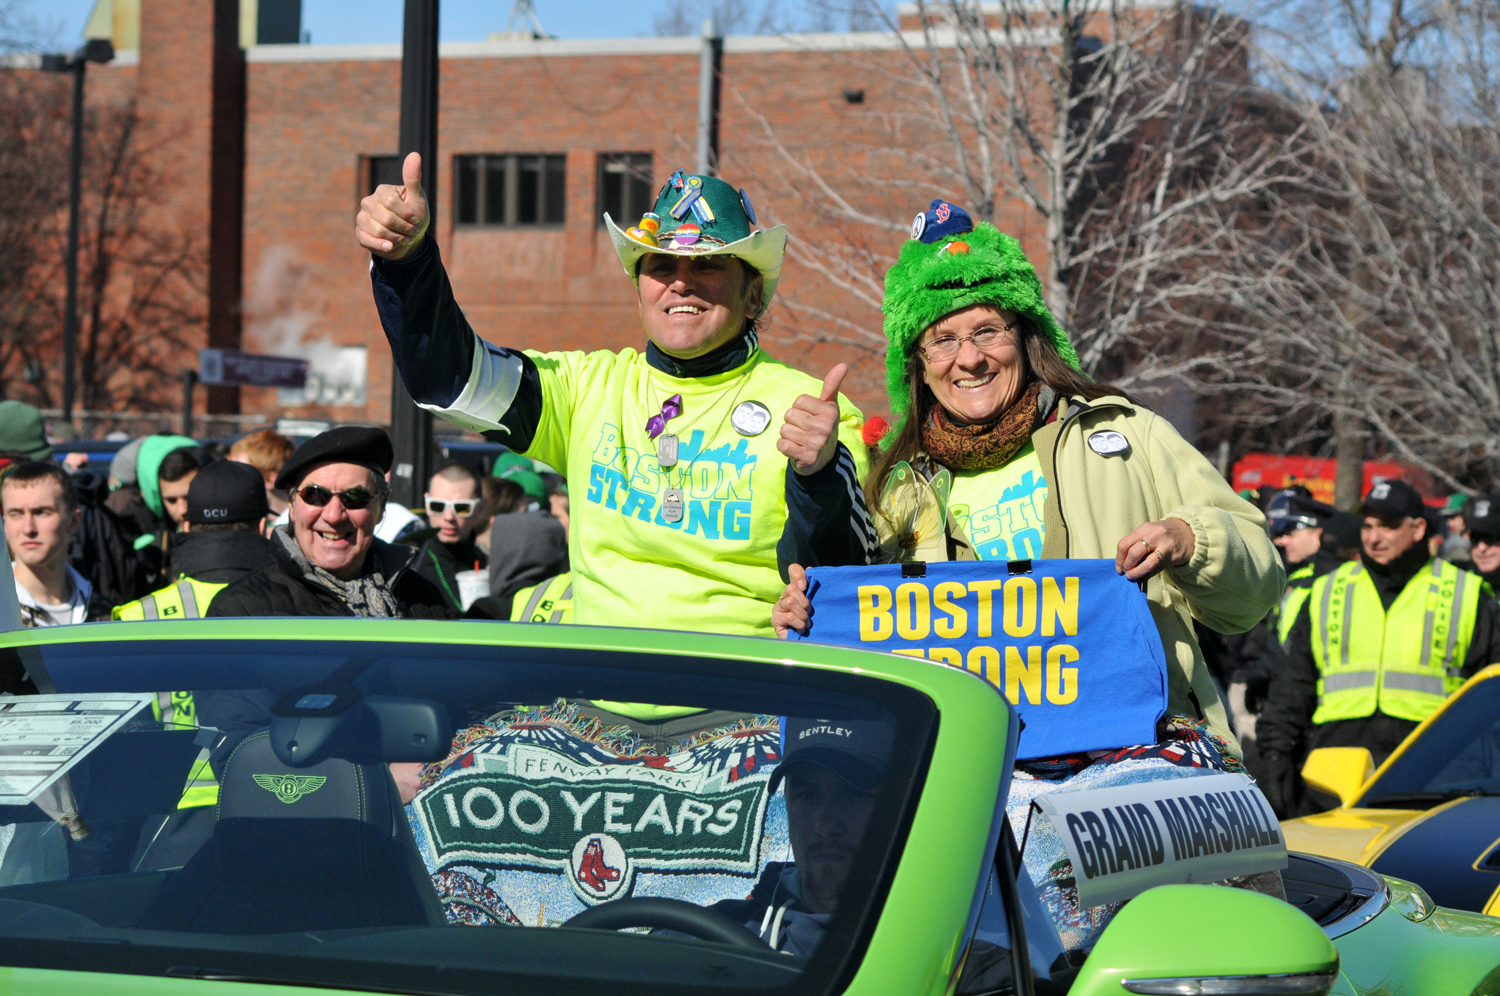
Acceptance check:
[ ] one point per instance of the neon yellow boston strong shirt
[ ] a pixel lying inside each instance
(715, 569)
(1000, 510)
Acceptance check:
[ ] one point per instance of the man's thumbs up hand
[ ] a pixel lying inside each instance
(810, 432)
(393, 220)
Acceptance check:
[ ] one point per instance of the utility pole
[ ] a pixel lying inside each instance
(411, 427)
(97, 50)
(710, 67)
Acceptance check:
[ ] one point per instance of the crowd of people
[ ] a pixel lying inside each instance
(292, 530)
(712, 477)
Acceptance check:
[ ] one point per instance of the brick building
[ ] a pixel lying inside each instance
(537, 137)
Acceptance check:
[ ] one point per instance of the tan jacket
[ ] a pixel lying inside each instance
(1094, 500)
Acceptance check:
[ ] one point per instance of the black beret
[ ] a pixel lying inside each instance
(360, 444)
(227, 491)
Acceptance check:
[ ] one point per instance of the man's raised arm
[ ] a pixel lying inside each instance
(446, 367)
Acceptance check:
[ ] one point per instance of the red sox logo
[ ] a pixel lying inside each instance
(600, 868)
(942, 212)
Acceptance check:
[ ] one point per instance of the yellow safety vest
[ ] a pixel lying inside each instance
(185, 599)
(549, 602)
(1404, 662)
(1298, 587)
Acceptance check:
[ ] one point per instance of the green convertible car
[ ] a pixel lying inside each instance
(243, 806)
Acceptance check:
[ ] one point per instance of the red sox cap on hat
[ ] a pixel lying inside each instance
(854, 749)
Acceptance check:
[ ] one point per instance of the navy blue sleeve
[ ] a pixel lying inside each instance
(827, 523)
(433, 344)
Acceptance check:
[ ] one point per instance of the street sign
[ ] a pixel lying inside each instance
(232, 367)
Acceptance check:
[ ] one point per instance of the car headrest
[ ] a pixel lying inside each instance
(329, 822)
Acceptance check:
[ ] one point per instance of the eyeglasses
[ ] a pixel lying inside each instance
(354, 499)
(462, 507)
(984, 339)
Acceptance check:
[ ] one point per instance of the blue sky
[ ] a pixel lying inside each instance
(359, 21)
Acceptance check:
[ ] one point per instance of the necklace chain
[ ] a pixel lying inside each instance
(683, 474)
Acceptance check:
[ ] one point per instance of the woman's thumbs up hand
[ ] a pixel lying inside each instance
(393, 220)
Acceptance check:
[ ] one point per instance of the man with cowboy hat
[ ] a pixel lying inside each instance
(684, 499)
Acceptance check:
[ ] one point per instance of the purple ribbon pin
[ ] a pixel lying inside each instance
(670, 409)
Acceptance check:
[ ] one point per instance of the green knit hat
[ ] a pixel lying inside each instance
(702, 216)
(22, 430)
(951, 263)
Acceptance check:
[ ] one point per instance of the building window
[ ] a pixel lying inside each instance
(625, 189)
(381, 169)
(512, 190)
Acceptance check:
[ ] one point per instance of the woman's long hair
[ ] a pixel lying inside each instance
(1042, 362)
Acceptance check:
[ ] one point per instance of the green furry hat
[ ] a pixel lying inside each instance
(951, 263)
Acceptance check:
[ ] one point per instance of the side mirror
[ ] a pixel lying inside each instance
(308, 726)
(1339, 771)
(1276, 947)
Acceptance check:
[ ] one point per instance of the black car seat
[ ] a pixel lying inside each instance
(325, 847)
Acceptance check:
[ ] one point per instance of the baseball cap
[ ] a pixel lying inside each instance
(1393, 499)
(854, 749)
(1455, 504)
(1482, 516)
(227, 491)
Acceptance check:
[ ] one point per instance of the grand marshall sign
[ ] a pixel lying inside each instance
(538, 816)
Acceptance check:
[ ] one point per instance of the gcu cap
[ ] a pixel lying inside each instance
(227, 491)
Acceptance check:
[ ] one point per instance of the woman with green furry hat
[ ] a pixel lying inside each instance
(1004, 450)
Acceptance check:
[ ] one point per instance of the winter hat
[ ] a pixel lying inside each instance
(702, 216)
(122, 467)
(365, 445)
(23, 431)
(952, 263)
(227, 491)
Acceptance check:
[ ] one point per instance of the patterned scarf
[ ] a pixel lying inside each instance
(986, 446)
(368, 595)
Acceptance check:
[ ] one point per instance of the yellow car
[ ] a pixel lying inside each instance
(1431, 814)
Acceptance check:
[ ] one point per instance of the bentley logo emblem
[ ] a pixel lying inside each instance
(290, 788)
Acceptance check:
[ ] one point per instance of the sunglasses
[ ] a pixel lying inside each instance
(462, 507)
(354, 499)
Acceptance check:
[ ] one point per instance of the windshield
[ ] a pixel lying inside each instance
(1459, 754)
(444, 818)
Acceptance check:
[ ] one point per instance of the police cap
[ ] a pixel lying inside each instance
(364, 445)
(1290, 510)
(227, 491)
(1482, 516)
(1393, 499)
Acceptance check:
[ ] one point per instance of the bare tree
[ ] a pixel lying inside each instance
(1384, 282)
(1125, 138)
(142, 289)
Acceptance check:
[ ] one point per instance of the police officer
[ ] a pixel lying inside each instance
(1314, 538)
(1482, 523)
(1375, 648)
(548, 602)
(221, 542)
